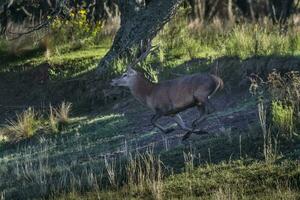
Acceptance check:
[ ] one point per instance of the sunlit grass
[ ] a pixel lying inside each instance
(24, 126)
(235, 180)
(283, 118)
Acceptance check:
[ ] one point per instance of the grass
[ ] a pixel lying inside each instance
(283, 118)
(59, 117)
(25, 126)
(53, 122)
(66, 65)
(102, 156)
(62, 114)
(217, 40)
(233, 180)
(240, 180)
(81, 158)
(53, 160)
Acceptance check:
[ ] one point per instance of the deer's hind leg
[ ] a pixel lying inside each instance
(160, 127)
(203, 111)
(202, 103)
(182, 125)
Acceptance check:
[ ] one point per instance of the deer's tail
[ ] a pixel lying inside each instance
(219, 85)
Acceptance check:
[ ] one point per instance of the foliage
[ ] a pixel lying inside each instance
(119, 66)
(285, 90)
(77, 31)
(283, 117)
(3, 45)
(285, 87)
(218, 39)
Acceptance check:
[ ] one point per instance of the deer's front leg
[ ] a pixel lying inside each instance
(189, 132)
(182, 125)
(163, 129)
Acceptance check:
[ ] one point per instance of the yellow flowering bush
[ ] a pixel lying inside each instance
(76, 30)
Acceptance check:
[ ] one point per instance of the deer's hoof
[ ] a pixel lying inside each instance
(169, 130)
(186, 136)
(200, 132)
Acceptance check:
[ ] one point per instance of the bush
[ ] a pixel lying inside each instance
(25, 126)
(60, 117)
(75, 32)
(282, 117)
(286, 89)
(282, 90)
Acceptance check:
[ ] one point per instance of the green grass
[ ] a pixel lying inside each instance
(227, 164)
(46, 160)
(217, 40)
(74, 161)
(64, 65)
(282, 117)
(238, 180)
(233, 180)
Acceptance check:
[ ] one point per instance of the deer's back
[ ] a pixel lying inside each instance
(175, 95)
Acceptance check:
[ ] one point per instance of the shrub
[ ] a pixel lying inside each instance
(59, 117)
(25, 126)
(285, 92)
(75, 32)
(282, 117)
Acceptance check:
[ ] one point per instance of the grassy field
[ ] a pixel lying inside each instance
(111, 151)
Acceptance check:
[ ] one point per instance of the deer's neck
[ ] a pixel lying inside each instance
(141, 89)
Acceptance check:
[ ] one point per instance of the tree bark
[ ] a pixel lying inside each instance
(139, 22)
(281, 10)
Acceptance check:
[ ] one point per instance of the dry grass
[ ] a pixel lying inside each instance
(53, 122)
(24, 126)
(59, 117)
(63, 112)
(145, 175)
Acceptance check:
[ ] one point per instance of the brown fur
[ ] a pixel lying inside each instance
(172, 96)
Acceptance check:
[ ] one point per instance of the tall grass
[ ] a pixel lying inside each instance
(283, 118)
(219, 39)
(144, 174)
(59, 117)
(53, 121)
(29, 122)
(63, 112)
(24, 126)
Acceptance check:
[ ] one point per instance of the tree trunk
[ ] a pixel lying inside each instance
(281, 10)
(139, 22)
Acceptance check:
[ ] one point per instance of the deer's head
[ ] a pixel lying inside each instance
(127, 79)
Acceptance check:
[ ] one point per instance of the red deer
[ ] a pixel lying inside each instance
(168, 98)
